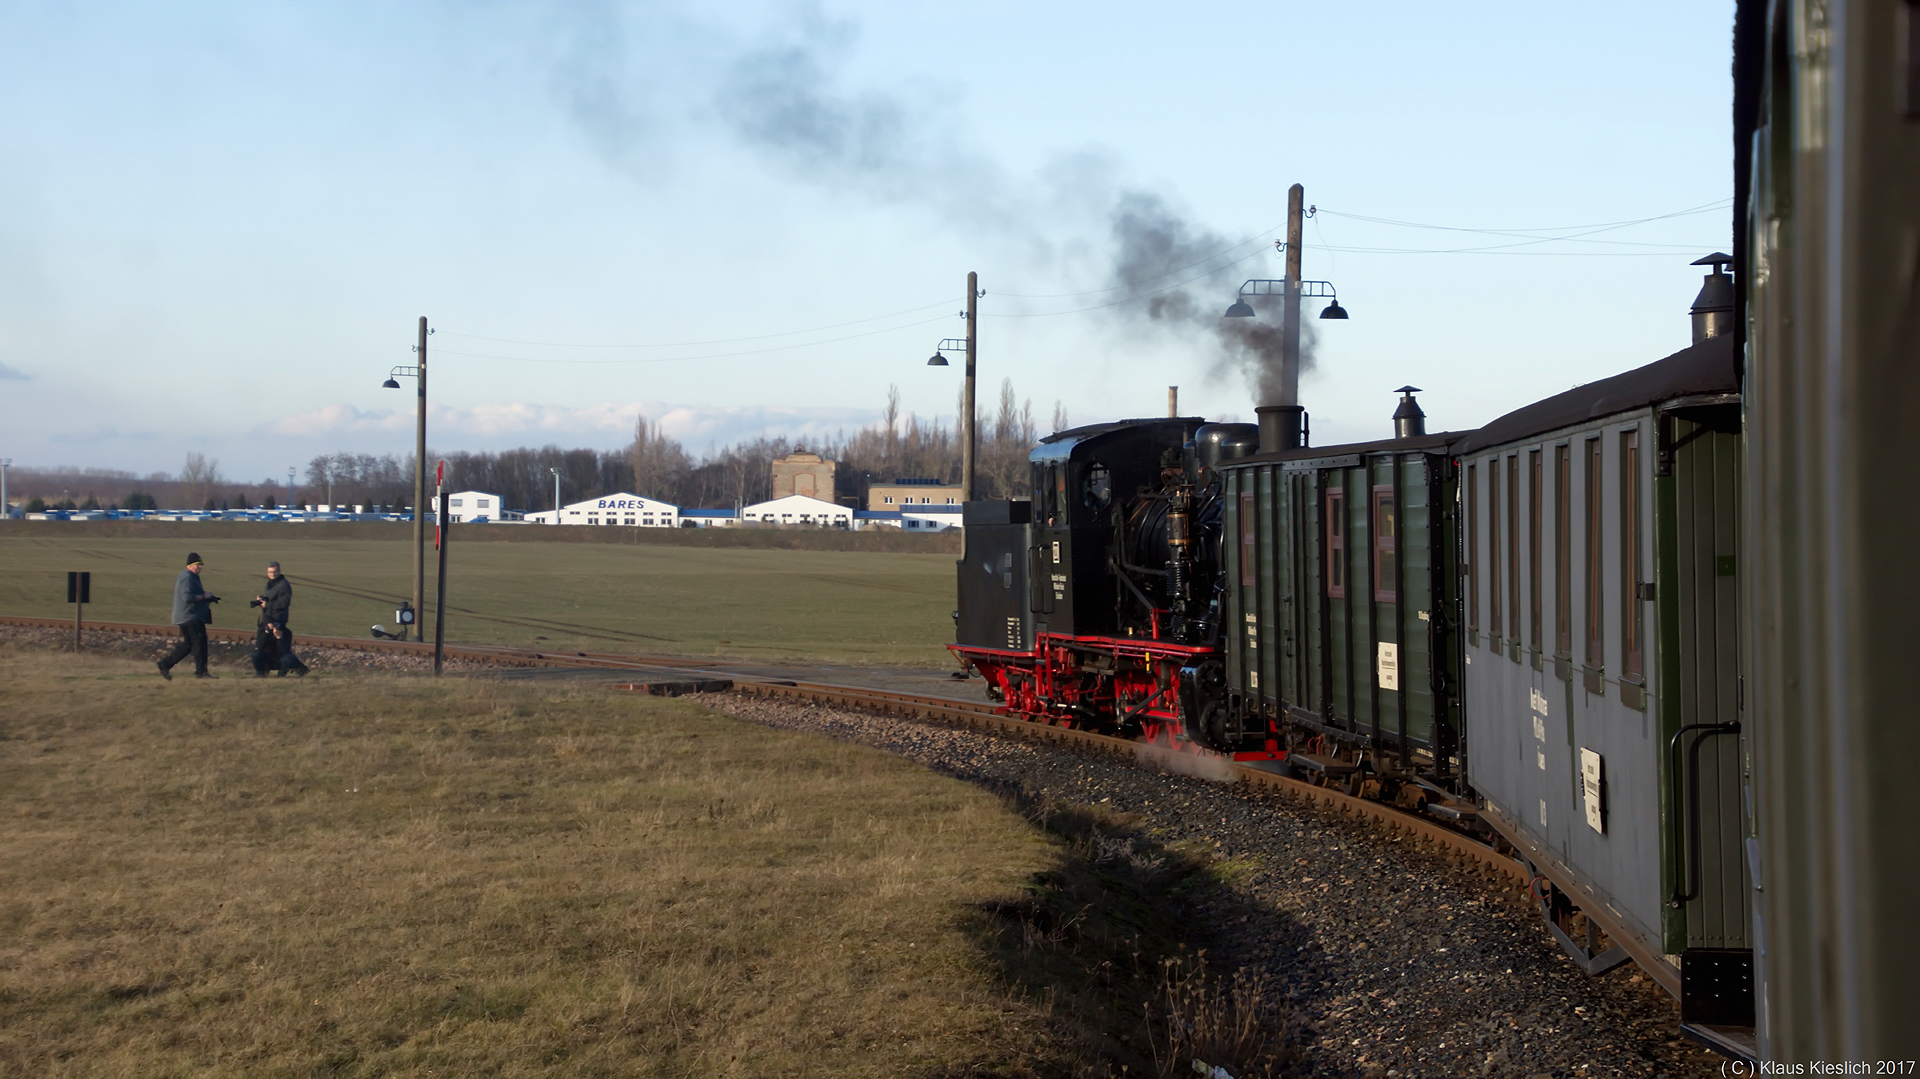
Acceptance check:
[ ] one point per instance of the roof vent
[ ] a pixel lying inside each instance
(1408, 420)
(1713, 308)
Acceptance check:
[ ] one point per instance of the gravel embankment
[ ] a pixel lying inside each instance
(223, 657)
(1399, 962)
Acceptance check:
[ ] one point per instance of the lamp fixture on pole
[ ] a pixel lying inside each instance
(1309, 290)
(419, 375)
(968, 434)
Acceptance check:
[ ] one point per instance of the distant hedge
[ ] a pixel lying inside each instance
(790, 539)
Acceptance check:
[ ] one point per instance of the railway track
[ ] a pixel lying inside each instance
(974, 715)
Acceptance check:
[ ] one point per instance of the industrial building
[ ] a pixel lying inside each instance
(472, 507)
(624, 509)
(799, 510)
(802, 473)
(903, 493)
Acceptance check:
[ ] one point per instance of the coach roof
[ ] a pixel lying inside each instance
(1706, 369)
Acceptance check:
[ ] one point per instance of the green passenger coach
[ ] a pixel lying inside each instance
(1339, 607)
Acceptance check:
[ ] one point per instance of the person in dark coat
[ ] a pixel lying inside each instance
(192, 610)
(273, 644)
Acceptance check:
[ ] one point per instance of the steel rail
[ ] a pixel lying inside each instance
(975, 715)
(987, 717)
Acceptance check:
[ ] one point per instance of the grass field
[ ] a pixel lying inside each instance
(861, 607)
(376, 875)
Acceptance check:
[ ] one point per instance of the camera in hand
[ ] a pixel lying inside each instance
(253, 603)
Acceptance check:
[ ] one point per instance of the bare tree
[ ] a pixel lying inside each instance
(198, 476)
(659, 463)
(1059, 417)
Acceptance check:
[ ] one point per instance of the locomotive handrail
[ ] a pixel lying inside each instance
(1686, 849)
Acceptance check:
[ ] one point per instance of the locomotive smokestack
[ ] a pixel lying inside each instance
(1408, 420)
(1713, 308)
(1279, 427)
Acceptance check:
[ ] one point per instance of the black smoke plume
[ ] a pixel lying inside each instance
(1185, 276)
(785, 99)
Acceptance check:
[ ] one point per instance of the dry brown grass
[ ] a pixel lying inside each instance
(382, 875)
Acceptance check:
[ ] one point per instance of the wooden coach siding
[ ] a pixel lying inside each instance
(1290, 644)
(1698, 653)
(1507, 684)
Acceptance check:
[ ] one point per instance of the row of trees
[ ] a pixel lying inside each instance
(657, 466)
(654, 465)
(897, 447)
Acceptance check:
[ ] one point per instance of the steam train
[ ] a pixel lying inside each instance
(1527, 630)
(1655, 633)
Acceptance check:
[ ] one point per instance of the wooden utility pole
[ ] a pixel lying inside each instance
(967, 425)
(420, 492)
(1290, 318)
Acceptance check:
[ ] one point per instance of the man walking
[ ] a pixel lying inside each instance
(273, 644)
(192, 610)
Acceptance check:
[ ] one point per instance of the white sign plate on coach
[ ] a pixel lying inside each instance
(1590, 788)
(1387, 665)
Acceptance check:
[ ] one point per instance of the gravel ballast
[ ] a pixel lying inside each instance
(1395, 960)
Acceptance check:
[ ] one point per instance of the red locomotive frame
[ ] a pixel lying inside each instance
(1124, 685)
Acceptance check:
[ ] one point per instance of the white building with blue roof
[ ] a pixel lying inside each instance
(624, 510)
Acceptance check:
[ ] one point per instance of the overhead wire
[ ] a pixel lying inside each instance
(1259, 237)
(712, 341)
(1524, 238)
(704, 356)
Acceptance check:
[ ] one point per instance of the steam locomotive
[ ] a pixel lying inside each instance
(1101, 602)
(1528, 630)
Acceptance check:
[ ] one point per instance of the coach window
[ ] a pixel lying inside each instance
(1596, 648)
(1632, 644)
(1493, 549)
(1336, 544)
(1563, 551)
(1534, 478)
(1513, 548)
(1473, 547)
(1386, 584)
(1249, 549)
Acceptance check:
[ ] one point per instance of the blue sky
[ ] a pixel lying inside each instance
(219, 223)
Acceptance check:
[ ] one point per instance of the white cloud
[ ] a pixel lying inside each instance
(604, 426)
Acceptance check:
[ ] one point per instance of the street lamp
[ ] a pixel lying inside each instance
(958, 344)
(968, 434)
(419, 375)
(1309, 290)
